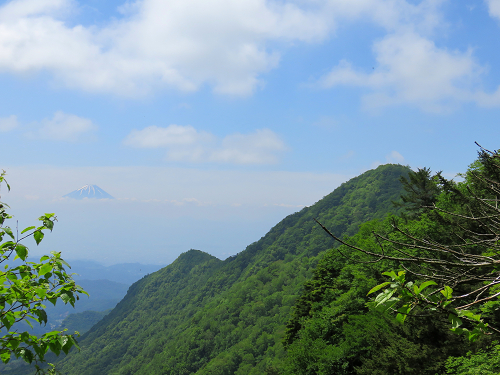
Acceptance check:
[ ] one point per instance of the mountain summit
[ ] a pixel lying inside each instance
(89, 191)
(201, 315)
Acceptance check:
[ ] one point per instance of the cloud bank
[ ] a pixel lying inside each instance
(228, 45)
(182, 44)
(63, 127)
(186, 144)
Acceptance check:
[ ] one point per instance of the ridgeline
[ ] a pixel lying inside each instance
(201, 315)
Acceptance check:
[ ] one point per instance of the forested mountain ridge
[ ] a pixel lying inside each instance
(206, 316)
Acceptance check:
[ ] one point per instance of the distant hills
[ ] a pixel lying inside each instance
(89, 191)
(201, 315)
(124, 273)
(106, 285)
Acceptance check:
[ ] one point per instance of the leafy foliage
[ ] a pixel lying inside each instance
(24, 290)
(454, 261)
(484, 362)
(421, 191)
(333, 329)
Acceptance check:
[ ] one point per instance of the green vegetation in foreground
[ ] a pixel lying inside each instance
(206, 316)
(336, 329)
(26, 287)
(103, 296)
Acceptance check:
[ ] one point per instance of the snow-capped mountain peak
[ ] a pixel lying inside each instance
(89, 191)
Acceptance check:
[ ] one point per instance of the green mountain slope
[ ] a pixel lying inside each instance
(82, 322)
(206, 316)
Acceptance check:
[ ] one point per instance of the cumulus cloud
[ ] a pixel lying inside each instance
(172, 135)
(228, 45)
(186, 144)
(494, 8)
(411, 69)
(179, 43)
(395, 158)
(63, 127)
(8, 123)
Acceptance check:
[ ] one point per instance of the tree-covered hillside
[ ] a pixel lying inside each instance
(206, 316)
(433, 268)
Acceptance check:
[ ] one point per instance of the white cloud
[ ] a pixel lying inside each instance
(186, 144)
(25, 8)
(395, 158)
(179, 43)
(63, 127)
(393, 15)
(256, 148)
(412, 69)
(172, 135)
(494, 8)
(8, 123)
(228, 44)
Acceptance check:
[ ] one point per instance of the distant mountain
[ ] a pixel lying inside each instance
(125, 273)
(103, 295)
(89, 191)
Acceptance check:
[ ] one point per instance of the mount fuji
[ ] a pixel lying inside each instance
(89, 191)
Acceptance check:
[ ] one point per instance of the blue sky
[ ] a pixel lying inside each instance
(211, 120)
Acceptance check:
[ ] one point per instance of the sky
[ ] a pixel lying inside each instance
(210, 121)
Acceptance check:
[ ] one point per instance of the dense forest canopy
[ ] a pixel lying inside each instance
(445, 243)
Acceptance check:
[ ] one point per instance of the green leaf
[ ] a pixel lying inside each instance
(447, 292)
(400, 318)
(49, 224)
(425, 285)
(13, 343)
(5, 356)
(22, 251)
(63, 339)
(42, 316)
(9, 232)
(41, 292)
(65, 297)
(455, 321)
(391, 274)
(7, 246)
(38, 235)
(446, 303)
(65, 263)
(378, 287)
(27, 229)
(55, 347)
(26, 354)
(45, 268)
(469, 314)
(29, 323)
(384, 297)
(473, 336)
(8, 319)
